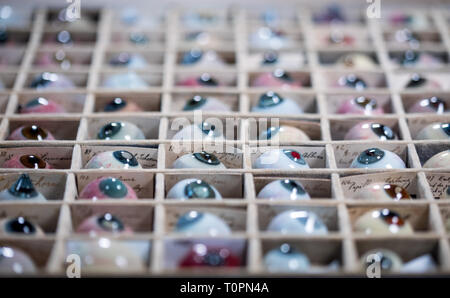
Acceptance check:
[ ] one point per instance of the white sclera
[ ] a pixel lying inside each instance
(193, 132)
(128, 131)
(276, 159)
(435, 131)
(212, 104)
(264, 38)
(178, 190)
(107, 160)
(286, 107)
(276, 191)
(202, 223)
(189, 161)
(390, 160)
(300, 222)
(284, 133)
(208, 59)
(439, 160)
(14, 261)
(129, 80)
(277, 260)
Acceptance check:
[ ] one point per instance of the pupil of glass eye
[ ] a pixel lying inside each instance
(116, 104)
(366, 103)
(194, 103)
(292, 186)
(206, 80)
(192, 57)
(214, 259)
(34, 132)
(294, 156)
(282, 75)
(207, 158)
(138, 38)
(32, 161)
(125, 157)
(382, 131)
(396, 192)
(110, 223)
(189, 218)
(270, 58)
(269, 99)
(446, 128)
(23, 188)
(199, 190)
(109, 130)
(37, 102)
(416, 81)
(371, 156)
(20, 225)
(113, 188)
(391, 217)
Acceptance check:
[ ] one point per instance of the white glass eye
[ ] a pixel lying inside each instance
(370, 131)
(375, 158)
(383, 191)
(199, 160)
(20, 226)
(285, 189)
(120, 131)
(284, 133)
(193, 189)
(440, 160)
(204, 131)
(382, 222)
(120, 159)
(298, 222)
(129, 80)
(280, 159)
(286, 259)
(201, 223)
(389, 261)
(272, 103)
(202, 59)
(22, 189)
(15, 261)
(198, 102)
(356, 61)
(435, 131)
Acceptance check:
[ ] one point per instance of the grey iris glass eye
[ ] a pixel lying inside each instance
(382, 131)
(109, 130)
(371, 156)
(20, 225)
(113, 188)
(270, 57)
(207, 158)
(269, 133)
(294, 156)
(293, 186)
(269, 99)
(206, 80)
(199, 190)
(23, 188)
(416, 81)
(282, 75)
(126, 157)
(194, 103)
(188, 218)
(192, 57)
(109, 222)
(115, 105)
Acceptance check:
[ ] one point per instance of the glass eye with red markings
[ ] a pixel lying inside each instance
(383, 222)
(281, 159)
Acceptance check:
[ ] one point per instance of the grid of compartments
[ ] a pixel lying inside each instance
(330, 181)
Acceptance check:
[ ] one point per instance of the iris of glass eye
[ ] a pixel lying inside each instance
(121, 60)
(38, 101)
(396, 192)
(138, 38)
(416, 81)
(34, 132)
(282, 75)
(214, 259)
(366, 103)
(109, 130)
(207, 158)
(206, 80)
(43, 79)
(435, 103)
(353, 81)
(382, 131)
(208, 129)
(192, 56)
(286, 249)
(125, 157)
(23, 188)
(194, 103)
(20, 225)
(113, 188)
(272, 131)
(370, 156)
(32, 162)
(385, 262)
(391, 217)
(199, 190)
(269, 99)
(115, 105)
(188, 219)
(64, 37)
(295, 156)
(109, 222)
(293, 186)
(270, 57)
(410, 57)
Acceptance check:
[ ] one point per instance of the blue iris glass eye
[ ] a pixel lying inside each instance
(199, 190)
(206, 80)
(115, 105)
(194, 103)
(20, 225)
(192, 57)
(269, 99)
(113, 188)
(188, 218)
(138, 38)
(109, 222)
(270, 57)
(109, 130)
(293, 186)
(282, 75)
(23, 188)
(126, 157)
(382, 131)
(446, 128)
(294, 156)
(207, 158)
(371, 156)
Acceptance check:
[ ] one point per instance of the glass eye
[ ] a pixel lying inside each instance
(382, 222)
(285, 189)
(113, 188)
(282, 75)
(389, 260)
(4, 36)
(286, 259)
(284, 133)
(23, 188)
(121, 59)
(201, 223)
(206, 256)
(198, 160)
(429, 105)
(115, 105)
(206, 80)
(107, 188)
(120, 131)
(294, 156)
(210, 130)
(193, 189)
(384, 191)
(435, 131)
(382, 131)
(34, 132)
(207, 158)
(43, 80)
(191, 57)
(269, 99)
(409, 57)
(126, 157)
(297, 222)
(110, 223)
(366, 103)
(20, 225)
(64, 37)
(270, 57)
(280, 159)
(377, 158)
(194, 103)
(138, 38)
(416, 81)
(33, 162)
(120, 159)
(352, 81)
(15, 261)
(439, 160)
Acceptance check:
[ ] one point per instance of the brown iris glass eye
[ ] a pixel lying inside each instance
(33, 162)
(34, 132)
